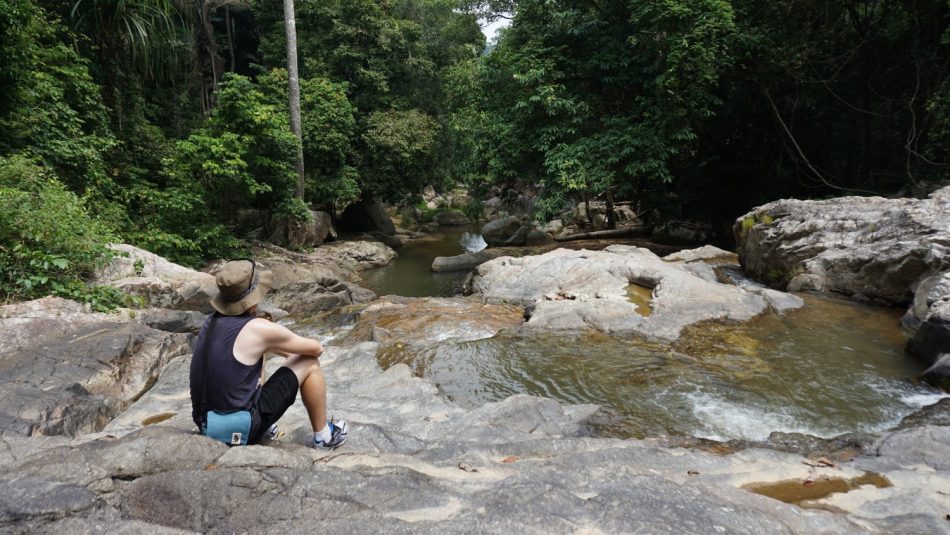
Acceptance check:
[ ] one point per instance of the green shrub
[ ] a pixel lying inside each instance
(48, 241)
(473, 209)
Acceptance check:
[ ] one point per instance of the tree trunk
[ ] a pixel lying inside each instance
(293, 80)
(229, 25)
(590, 220)
(206, 40)
(611, 221)
(637, 231)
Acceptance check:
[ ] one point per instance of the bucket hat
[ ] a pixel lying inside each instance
(241, 285)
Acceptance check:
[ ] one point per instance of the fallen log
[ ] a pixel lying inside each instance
(624, 232)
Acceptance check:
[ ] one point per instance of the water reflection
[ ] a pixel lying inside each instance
(410, 274)
(472, 243)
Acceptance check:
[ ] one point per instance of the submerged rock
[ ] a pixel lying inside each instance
(415, 321)
(572, 290)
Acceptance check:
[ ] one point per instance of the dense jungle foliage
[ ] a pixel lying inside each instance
(155, 122)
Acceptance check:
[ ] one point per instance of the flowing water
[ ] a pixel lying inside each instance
(831, 367)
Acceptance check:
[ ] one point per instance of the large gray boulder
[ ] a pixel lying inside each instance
(318, 295)
(895, 251)
(321, 279)
(162, 284)
(310, 233)
(537, 237)
(75, 383)
(452, 218)
(499, 231)
(360, 254)
(365, 216)
(931, 341)
(576, 290)
(868, 247)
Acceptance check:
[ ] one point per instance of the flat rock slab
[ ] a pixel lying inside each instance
(415, 462)
(76, 383)
(574, 290)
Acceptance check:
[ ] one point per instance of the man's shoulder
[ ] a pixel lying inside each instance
(265, 328)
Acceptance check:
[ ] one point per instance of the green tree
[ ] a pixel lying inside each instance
(399, 147)
(49, 242)
(596, 97)
(51, 108)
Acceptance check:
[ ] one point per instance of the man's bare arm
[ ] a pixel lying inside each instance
(283, 341)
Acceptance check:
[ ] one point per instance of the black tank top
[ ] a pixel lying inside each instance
(231, 385)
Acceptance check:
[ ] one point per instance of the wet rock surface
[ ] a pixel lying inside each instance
(416, 463)
(576, 290)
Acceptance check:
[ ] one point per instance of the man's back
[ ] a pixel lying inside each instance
(218, 380)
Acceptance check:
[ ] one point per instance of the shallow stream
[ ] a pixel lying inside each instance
(831, 367)
(410, 274)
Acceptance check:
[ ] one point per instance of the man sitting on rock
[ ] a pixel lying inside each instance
(227, 366)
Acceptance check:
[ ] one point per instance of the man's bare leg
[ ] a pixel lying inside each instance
(313, 389)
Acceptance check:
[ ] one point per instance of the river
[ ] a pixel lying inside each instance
(832, 367)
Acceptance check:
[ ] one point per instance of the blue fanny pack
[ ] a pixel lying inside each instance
(232, 428)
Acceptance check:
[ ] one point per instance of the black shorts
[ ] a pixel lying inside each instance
(277, 395)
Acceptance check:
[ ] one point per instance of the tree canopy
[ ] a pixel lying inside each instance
(154, 122)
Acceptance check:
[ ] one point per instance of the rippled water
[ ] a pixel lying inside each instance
(830, 368)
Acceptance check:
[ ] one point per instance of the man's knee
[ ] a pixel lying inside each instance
(302, 366)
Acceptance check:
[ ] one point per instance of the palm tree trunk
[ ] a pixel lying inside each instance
(293, 79)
